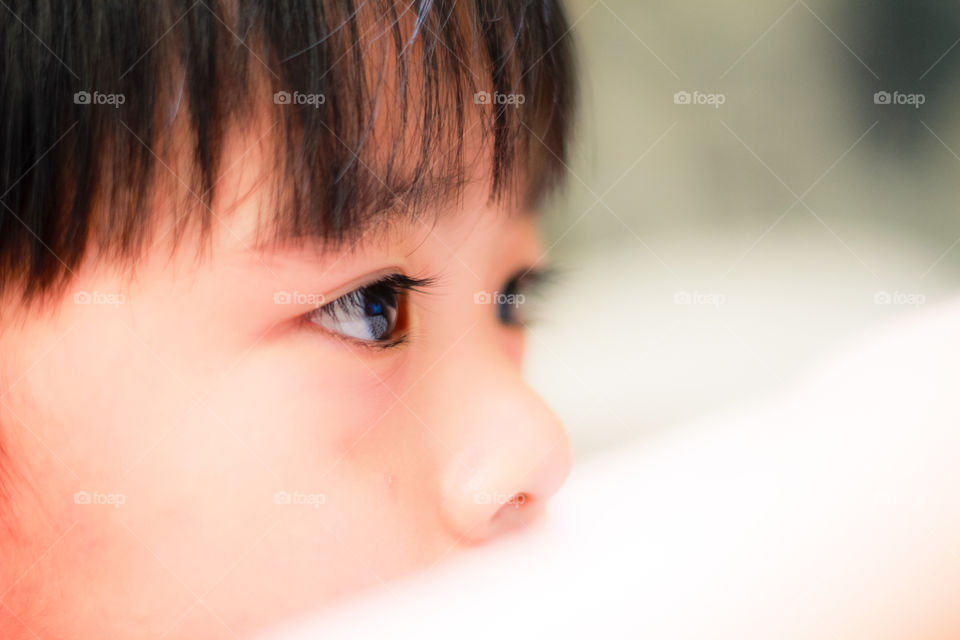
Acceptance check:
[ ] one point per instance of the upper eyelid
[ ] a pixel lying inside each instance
(404, 282)
(535, 279)
(399, 282)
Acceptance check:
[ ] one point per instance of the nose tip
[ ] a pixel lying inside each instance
(508, 492)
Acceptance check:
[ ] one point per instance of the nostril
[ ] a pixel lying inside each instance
(518, 502)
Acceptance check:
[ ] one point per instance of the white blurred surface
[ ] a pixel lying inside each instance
(620, 360)
(831, 512)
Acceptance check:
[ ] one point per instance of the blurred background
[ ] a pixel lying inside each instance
(753, 185)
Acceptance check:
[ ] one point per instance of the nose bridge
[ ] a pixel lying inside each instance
(505, 451)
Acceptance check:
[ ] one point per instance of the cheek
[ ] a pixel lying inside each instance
(101, 401)
(333, 426)
(286, 461)
(302, 404)
(336, 425)
(279, 465)
(514, 344)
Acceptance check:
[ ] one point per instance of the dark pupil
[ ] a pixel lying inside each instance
(506, 312)
(376, 304)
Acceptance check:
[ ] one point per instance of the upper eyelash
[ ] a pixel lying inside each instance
(401, 282)
(536, 279)
(398, 282)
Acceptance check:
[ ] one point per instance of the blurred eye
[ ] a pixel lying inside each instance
(373, 313)
(517, 302)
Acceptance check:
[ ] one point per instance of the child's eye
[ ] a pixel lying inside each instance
(374, 313)
(517, 302)
(369, 313)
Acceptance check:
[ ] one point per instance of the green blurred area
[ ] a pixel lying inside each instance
(712, 252)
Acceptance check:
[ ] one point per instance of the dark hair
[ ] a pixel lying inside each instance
(92, 89)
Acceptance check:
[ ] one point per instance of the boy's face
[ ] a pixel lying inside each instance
(196, 451)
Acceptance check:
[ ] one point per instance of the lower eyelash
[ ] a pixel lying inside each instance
(383, 346)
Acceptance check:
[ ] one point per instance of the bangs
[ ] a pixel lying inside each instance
(375, 108)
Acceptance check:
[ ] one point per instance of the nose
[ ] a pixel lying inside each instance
(509, 455)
